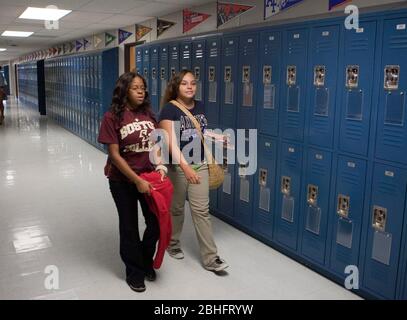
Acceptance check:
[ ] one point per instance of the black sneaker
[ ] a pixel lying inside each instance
(136, 286)
(151, 275)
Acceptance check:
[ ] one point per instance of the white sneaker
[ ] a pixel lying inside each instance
(176, 253)
(217, 265)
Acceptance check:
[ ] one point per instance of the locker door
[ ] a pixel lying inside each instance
(163, 69)
(244, 181)
(186, 56)
(230, 46)
(198, 67)
(227, 190)
(391, 143)
(146, 67)
(385, 219)
(322, 98)
(288, 195)
(247, 69)
(174, 60)
(212, 85)
(269, 83)
(356, 72)
(264, 187)
(154, 79)
(347, 213)
(139, 60)
(292, 114)
(316, 205)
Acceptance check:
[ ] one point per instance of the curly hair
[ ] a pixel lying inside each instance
(120, 96)
(172, 90)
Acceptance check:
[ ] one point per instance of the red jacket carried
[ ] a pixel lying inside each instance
(160, 204)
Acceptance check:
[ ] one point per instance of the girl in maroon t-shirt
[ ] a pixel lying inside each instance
(126, 129)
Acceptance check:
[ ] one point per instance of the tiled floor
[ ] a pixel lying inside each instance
(56, 210)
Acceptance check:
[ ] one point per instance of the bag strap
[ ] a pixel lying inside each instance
(180, 106)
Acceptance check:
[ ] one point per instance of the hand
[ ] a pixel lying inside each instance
(144, 187)
(163, 175)
(191, 176)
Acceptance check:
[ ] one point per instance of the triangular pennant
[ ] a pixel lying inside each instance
(86, 43)
(192, 19)
(273, 7)
(142, 31)
(109, 39)
(96, 41)
(71, 46)
(78, 45)
(124, 35)
(163, 25)
(59, 50)
(228, 11)
(336, 3)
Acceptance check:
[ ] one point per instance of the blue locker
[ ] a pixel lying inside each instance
(230, 52)
(212, 85)
(227, 190)
(315, 208)
(154, 90)
(384, 222)
(322, 98)
(198, 67)
(244, 181)
(288, 197)
(174, 61)
(146, 67)
(139, 60)
(347, 213)
(391, 143)
(269, 82)
(247, 70)
(292, 113)
(264, 187)
(356, 85)
(163, 69)
(186, 55)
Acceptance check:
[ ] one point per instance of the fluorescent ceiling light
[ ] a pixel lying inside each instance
(16, 34)
(2, 49)
(44, 14)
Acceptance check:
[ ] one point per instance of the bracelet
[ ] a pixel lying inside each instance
(162, 167)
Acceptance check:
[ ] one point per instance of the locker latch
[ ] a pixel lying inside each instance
(312, 197)
(197, 72)
(391, 77)
(343, 206)
(263, 177)
(225, 163)
(228, 74)
(153, 73)
(172, 71)
(319, 76)
(242, 169)
(379, 218)
(267, 74)
(286, 185)
(162, 74)
(352, 76)
(145, 73)
(211, 77)
(291, 75)
(246, 74)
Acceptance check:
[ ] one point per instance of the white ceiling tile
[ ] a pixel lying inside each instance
(112, 6)
(90, 17)
(154, 9)
(124, 20)
(10, 11)
(62, 4)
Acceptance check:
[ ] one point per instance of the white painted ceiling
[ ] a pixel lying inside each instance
(88, 17)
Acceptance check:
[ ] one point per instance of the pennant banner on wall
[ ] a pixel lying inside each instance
(86, 43)
(109, 38)
(163, 26)
(78, 45)
(142, 31)
(124, 35)
(273, 7)
(336, 3)
(192, 19)
(97, 41)
(228, 11)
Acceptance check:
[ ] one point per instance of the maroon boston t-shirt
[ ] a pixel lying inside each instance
(132, 134)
